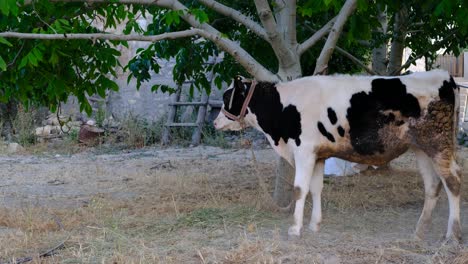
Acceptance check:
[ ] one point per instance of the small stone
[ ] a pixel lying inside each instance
(91, 122)
(52, 120)
(14, 148)
(90, 135)
(5, 232)
(74, 124)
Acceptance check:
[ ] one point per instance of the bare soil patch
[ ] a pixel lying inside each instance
(205, 205)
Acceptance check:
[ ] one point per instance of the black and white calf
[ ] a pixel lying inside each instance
(364, 119)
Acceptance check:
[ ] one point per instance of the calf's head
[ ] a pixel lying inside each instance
(233, 100)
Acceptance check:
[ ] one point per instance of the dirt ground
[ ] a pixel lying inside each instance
(207, 205)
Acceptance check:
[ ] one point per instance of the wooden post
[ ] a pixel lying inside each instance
(196, 136)
(166, 136)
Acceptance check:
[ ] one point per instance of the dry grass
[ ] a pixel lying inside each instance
(373, 189)
(184, 212)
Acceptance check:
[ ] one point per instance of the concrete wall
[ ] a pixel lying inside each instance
(142, 103)
(465, 65)
(463, 105)
(464, 94)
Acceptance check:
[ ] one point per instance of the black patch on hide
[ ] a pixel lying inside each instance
(447, 93)
(277, 121)
(341, 131)
(324, 132)
(366, 114)
(332, 115)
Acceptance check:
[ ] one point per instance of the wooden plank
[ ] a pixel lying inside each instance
(181, 125)
(166, 136)
(215, 103)
(187, 103)
(196, 136)
(450, 63)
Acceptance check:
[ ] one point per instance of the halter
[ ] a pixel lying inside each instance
(241, 116)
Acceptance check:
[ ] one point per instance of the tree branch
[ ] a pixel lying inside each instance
(103, 36)
(435, 47)
(379, 53)
(292, 6)
(285, 16)
(283, 53)
(237, 16)
(400, 28)
(355, 60)
(240, 55)
(322, 62)
(139, 2)
(315, 37)
(350, 56)
(234, 49)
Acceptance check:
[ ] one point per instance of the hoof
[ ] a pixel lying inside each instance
(452, 241)
(418, 236)
(294, 232)
(314, 227)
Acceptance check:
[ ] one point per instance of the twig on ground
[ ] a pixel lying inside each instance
(47, 253)
(175, 206)
(201, 256)
(163, 165)
(224, 153)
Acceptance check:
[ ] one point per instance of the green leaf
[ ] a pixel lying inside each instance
(4, 7)
(200, 15)
(37, 53)
(32, 59)
(6, 42)
(13, 7)
(54, 58)
(169, 19)
(439, 9)
(64, 22)
(2, 65)
(23, 62)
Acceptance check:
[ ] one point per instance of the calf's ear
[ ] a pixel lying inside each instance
(239, 85)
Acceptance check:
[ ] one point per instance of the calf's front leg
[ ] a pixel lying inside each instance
(304, 167)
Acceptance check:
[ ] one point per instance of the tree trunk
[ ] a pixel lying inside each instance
(284, 171)
(283, 183)
(379, 54)
(8, 113)
(400, 28)
(321, 68)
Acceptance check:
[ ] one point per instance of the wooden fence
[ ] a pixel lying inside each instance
(451, 63)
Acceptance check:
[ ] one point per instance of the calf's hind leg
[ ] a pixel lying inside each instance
(449, 173)
(432, 187)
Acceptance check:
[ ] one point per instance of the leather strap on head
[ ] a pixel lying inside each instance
(241, 116)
